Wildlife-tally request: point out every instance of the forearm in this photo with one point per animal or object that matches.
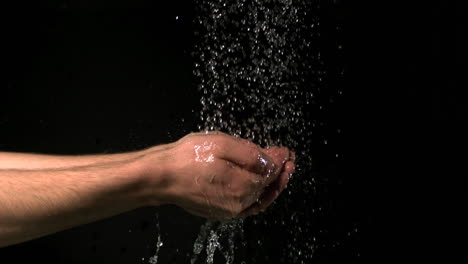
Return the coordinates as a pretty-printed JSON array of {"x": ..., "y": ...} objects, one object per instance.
[
  {"x": 12, "y": 160},
  {"x": 212, "y": 175},
  {"x": 35, "y": 203}
]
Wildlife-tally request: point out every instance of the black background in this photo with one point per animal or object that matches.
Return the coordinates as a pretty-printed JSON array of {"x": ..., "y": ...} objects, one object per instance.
[
  {"x": 94, "y": 77},
  {"x": 407, "y": 70}
]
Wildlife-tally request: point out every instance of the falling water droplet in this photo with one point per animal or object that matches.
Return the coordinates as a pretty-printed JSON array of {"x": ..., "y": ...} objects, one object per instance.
[{"x": 259, "y": 71}]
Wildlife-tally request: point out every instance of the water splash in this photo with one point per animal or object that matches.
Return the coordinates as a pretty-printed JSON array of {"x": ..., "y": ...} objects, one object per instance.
[
  {"x": 248, "y": 63},
  {"x": 159, "y": 243},
  {"x": 217, "y": 236}
]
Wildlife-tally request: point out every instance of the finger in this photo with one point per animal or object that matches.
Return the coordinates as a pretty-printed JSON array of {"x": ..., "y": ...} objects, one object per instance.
[
  {"x": 279, "y": 157},
  {"x": 271, "y": 192},
  {"x": 246, "y": 155},
  {"x": 292, "y": 156},
  {"x": 278, "y": 154},
  {"x": 242, "y": 152},
  {"x": 251, "y": 186}
]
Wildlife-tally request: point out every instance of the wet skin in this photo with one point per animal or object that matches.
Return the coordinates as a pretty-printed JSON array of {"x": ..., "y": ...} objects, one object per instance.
[
  {"x": 218, "y": 176},
  {"x": 212, "y": 175}
]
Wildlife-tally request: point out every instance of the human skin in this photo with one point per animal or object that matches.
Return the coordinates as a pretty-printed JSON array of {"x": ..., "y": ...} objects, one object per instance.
[{"x": 211, "y": 175}]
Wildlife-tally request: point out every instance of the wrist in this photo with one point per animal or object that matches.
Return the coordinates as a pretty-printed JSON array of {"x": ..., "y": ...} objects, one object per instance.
[{"x": 152, "y": 174}]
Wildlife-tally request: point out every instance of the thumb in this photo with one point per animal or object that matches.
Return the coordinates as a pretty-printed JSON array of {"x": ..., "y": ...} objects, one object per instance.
[{"x": 279, "y": 156}]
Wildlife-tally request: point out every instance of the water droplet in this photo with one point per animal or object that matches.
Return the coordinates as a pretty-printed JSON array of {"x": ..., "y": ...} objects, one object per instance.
[{"x": 255, "y": 83}]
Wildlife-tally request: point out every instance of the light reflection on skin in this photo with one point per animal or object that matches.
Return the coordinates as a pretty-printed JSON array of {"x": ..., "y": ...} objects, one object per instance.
[
  {"x": 204, "y": 152},
  {"x": 262, "y": 160}
]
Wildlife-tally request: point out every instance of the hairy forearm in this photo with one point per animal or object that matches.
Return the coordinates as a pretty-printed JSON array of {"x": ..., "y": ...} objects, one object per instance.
[{"x": 38, "y": 202}]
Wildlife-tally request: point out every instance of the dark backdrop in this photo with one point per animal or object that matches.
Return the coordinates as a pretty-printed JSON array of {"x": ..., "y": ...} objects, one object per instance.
[
  {"x": 91, "y": 77},
  {"x": 407, "y": 68},
  {"x": 99, "y": 79}
]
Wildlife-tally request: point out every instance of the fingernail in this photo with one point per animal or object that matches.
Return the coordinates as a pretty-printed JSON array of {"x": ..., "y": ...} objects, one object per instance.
[{"x": 267, "y": 163}]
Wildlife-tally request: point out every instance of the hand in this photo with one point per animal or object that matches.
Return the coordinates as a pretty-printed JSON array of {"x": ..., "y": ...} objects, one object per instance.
[
  {"x": 217, "y": 176},
  {"x": 212, "y": 175}
]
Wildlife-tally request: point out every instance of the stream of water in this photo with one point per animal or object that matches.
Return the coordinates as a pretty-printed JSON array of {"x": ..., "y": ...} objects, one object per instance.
[
  {"x": 257, "y": 72},
  {"x": 259, "y": 75}
]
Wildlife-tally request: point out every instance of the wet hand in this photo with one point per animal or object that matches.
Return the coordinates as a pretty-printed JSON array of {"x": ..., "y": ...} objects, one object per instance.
[{"x": 217, "y": 176}]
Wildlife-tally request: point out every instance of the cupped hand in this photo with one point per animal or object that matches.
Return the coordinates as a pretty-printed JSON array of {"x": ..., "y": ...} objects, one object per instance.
[{"x": 218, "y": 176}]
